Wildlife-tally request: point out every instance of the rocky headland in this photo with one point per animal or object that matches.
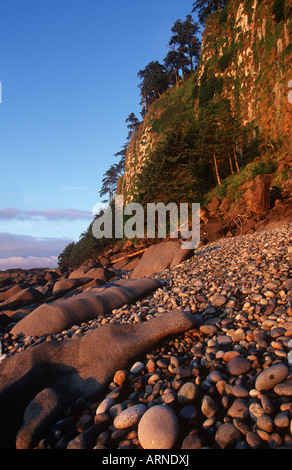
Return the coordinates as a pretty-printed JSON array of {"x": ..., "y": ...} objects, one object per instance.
[{"x": 194, "y": 355}]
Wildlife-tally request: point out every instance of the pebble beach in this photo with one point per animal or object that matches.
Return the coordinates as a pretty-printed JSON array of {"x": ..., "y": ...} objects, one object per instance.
[{"x": 226, "y": 384}]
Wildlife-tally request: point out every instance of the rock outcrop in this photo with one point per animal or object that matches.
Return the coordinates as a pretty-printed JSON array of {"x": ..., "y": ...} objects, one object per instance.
[
  {"x": 38, "y": 383},
  {"x": 55, "y": 317},
  {"x": 158, "y": 257}
]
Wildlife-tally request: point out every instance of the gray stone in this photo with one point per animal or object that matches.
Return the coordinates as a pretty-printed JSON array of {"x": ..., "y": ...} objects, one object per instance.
[
  {"x": 105, "y": 405},
  {"x": 265, "y": 422},
  {"x": 256, "y": 411},
  {"x": 270, "y": 377},
  {"x": 238, "y": 365},
  {"x": 227, "y": 436},
  {"x": 66, "y": 285},
  {"x": 87, "y": 439},
  {"x": 137, "y": 367},
  {"x": 22, "y": 298},
  {"x": 187, "y": 393},
  {"x": 239, "y": 409},
  {"x": 68, "y": 370},
  {"x": 282, "y": 420},
  {"x": 284, "y": 388},
  {"x": 158, "y": 428},
  {"x": 193, "y": 441},
  {"x": 254, "y": 440},
  {"x": 129, "y": 416},
  {"x": 63, "y": 313},
  {"x": 158, "y": 257},
  {"x": 218, "y": 300},
  {"x": 209, "y": 406}
]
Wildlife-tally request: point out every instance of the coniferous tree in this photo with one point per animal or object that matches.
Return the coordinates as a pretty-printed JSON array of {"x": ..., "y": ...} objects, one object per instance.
[
  {"x": 174, "y": 61},
  {"x": 154, "y": 82},
  {"x": 64, "y": 257},
  {"x": 109, "y": 182},
  {"x": 133, "y": 124},
  {"x": 204, "y": 8},
  {"x": 185, "y": 40},
  {"x": 122, "y": 155}
]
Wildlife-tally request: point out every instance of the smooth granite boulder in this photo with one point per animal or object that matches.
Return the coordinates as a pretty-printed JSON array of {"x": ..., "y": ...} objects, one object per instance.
[
  {"x": 8, "y": 292},
  {"x": 22, "y": 298},
  {"x": 156, "y": 258},
  {"x": 53, "y": 318},
  {"x": 66, "y": 285},
  {"x": 37, "y": 384}
]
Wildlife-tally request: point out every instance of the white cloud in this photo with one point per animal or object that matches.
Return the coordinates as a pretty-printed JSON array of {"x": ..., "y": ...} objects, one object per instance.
[
  {"x": 49, "y": 214},
  {"x": 22, "y": 251},
  {"x": 28, "y": 263}
]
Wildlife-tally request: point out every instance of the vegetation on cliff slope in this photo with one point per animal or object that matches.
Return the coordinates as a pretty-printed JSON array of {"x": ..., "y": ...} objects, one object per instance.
[{"x": 212, "y": 115}]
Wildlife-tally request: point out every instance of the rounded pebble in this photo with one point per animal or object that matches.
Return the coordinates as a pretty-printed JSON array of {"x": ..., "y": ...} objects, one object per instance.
[
  {"x": 187, "y": 393},
  {"x": 270, "y": 377},
  {"x": 158, "y": 428},
  {"x": 238, "y": 365},
  {"x": 227, "y": 436},
  {"x": 129, "y": 416}
]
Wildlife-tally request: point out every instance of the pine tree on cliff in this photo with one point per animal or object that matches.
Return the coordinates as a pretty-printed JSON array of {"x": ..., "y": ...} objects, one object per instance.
[
  {"x": 154, "y": 82},
  {"x": 185, "y": 41},
  {"x": 174, "y": 62},
  {"x": 204, "y": 8},
  {"x": 133, "y": 124},
  {"x": 122, "y": 155},
  {"x": 109, "y": 182}
]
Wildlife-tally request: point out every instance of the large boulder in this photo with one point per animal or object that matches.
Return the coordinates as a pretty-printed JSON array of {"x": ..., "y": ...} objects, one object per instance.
[
  {"x": 22, "y": 298},
  {"x": 214, "y": 230},
  {"x": 102, "y": 274},
  {"x": 38, "y": 384},
  {"x": 65, "y": 285},
  {"x": 212, "y": 207},
  {"x": 160, "y": 256},
  {"x": 52, "y": 318},
  {"x": 10, "y": 291},
  {"x": 79, "y": 272},
  {"x": 257, "y": 194}
]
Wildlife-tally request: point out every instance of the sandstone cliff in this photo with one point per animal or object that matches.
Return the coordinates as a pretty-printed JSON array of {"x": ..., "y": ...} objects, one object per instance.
[{"x": 247, "y": 58}]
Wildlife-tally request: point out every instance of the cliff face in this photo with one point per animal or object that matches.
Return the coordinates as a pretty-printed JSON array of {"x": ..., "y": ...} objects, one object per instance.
[
  {"x": 252, "y": 53},
  {"x": 247, "y": 58}
]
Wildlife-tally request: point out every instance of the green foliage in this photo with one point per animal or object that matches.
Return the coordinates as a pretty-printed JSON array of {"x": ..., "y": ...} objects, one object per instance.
[
  {"x": 204, "y": 8},
  {"x": 169, "y": 175},
  {"x": 181, "y": 168},
  {"x": 279, "y": 10},
  {"x": 186, "y": 43},
  {"x": 210, "y": 85},
  {"x": 248, "y": 9},
  {"x": 154, "y": 82},
  {"x": 263, "y": 167},
  {"x": 64, "y": 257},
  {"x": 283, "y": 176},
  {"x": 174, "y": 107},
  {"x": 223, "y": 15},
  {"x": 225, "y": 60},
  {"x": 109, "y": 182},
  {"x": 288, "y": 50}
]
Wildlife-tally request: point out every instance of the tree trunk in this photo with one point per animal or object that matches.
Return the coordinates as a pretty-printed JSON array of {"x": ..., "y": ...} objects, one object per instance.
[
  {"x": 230, "y": 162},
  {"x": 176, "y": 78},
  {"x": 191, "y": 61},
  {"x": 235, "y": 158},
  {"x": 216, "y": 170}
]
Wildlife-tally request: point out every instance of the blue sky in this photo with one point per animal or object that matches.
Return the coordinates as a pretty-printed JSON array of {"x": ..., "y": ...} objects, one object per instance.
[{"x": 68, "y": 70}]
